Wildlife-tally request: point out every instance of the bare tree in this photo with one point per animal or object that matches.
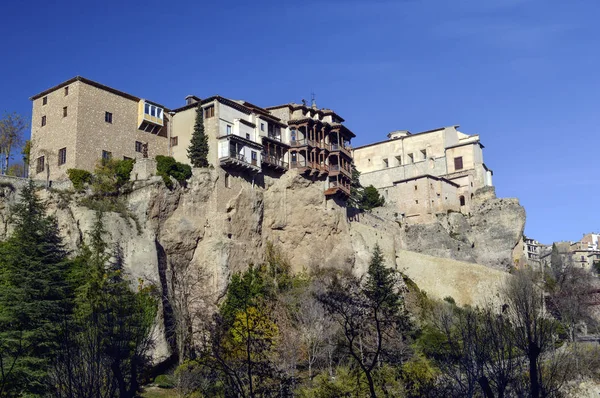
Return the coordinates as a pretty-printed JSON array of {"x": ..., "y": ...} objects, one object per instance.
[
  {"x": 534, "y": 329},
  {"x": 12, "y": 128}
]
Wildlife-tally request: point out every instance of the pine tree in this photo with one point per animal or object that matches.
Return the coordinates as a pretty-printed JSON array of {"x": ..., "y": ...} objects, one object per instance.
[
  {"x": 198, "y": 149},
  {"x": 34, "y": 298},
  {"x": 356, "y": 189}
]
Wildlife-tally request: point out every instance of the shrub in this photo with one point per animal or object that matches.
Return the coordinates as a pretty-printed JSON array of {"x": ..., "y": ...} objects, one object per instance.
[
  {"x": 79, "y": 178},
  {"x": 167, "y": 167},
  {"x": 164, "y": 381},
  {"x": 419, "y": 376},
  {"x": 111, "y": 175},
  {"x": 371, "y": 198},
  {"x": 450, "y": 299}
]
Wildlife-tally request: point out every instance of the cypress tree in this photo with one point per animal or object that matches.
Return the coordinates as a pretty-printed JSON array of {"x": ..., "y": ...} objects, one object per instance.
[
  {"x": 198, "y": 149},
  {"x": 34, "y": 297}
]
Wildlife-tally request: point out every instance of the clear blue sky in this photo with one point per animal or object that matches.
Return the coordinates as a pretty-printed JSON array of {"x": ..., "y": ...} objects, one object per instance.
[{"x": 521, "y": 73}]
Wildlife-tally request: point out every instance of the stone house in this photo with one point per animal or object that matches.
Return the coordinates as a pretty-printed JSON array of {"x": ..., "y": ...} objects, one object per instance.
[
  {"x": 79, "y": 122},
  {"x": 452, "y": 159}
]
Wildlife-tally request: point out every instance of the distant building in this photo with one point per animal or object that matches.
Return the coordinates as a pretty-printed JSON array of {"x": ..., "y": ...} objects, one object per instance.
[
  {"x": 532, "y": 250},
  {"x": 79, "y": 122},
  {"x": 581, "y": 254},
  {"x": 425, "y": 173}
]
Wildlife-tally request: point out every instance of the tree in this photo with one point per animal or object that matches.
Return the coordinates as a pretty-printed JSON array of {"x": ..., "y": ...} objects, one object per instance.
[
  {"x": 198, "y": 149},
  {"x": 26, "y": 152},
  {"x": 534, "y": 329},
  {"x": 356, "y": 189},
  {"x": 371, "y": 315},
  {"x": 107, "y": 340},
  {"x": 12, "y": 127},
  {"x": 371, "y": 198},
  {"x": 16, "y": 170},
  {"x": 34, "y": 299}
]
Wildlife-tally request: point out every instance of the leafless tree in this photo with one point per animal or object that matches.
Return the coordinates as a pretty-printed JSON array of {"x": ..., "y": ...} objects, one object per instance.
[
  {"x": 534, "y": 328},
  {"x": 12, "y": 128}
]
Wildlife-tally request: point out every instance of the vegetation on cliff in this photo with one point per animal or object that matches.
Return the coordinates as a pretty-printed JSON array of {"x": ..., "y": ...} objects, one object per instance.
[
  {"x": 69, "y": 327},
  {"x": 198, "y": 149}
]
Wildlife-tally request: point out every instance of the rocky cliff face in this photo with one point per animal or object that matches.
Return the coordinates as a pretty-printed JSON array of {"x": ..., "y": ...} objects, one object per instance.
[{"x": 202, "y": 233}]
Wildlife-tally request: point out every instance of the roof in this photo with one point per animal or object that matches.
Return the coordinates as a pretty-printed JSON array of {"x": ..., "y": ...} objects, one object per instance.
[
  {"x": 94, "y": 84},
  {"x": 428, "y": 176},
  {"x": 400, "y": 138},
  {"x": 293, "y": 106},
  {"x": 223, "y": 100}
]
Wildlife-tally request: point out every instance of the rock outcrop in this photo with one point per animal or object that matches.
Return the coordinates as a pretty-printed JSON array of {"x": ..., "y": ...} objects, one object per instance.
[{"x": 211, "y": 231}]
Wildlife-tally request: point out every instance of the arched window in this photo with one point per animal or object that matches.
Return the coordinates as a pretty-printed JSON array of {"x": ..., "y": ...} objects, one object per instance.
[{"x": 462, "y": 200}]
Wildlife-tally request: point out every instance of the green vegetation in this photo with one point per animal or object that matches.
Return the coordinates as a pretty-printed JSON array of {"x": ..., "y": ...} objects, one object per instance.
[
  {"x": 79, "y": 178},
  {"x": 68, "y": 327},
  {"x": 371, "y": 198},
  {"x": 198, "y": 149},
  {"x": 167, "y": 167}
]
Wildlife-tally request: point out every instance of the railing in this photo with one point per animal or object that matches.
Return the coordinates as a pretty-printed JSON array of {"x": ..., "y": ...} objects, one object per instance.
[
  {"x": 298, "y": 142},
  {"x": 337, "y": 167},
  {"x": 274, "y": 161},
  {"x": 335, "y": 184},
  {"x": 276, "y": 137},
  {"x": 297, "y": 164}
]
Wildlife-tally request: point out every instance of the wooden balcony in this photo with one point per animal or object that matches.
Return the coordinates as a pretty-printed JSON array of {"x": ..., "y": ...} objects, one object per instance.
[
  {"x": 275, "y": 162},
  {"x": 239, "y": 162},
  {"x": 335, "y": 187},
  {"x": 347, "y": 150},
  {"x": 335, "y": 169}
]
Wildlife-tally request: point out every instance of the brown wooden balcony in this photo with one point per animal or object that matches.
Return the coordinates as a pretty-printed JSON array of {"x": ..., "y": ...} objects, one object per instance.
[
  {"x": 335, "y": 169},
  {"x": 336, "y": 187},
  {"x": 273, "y": 161},
  {"x": 346, "y": 149}
]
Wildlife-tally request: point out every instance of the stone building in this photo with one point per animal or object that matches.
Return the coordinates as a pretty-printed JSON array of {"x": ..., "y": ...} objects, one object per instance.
[
  {"x": 79, "y": 122},
  {"x": 452, "y": 159},
  {"x": 532, "y": 250}
]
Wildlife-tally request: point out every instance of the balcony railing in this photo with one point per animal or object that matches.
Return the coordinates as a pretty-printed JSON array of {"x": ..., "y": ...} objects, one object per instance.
[
  {"x": 275, "y": 161},
  {"x": 297, "y": 164},
  {"x": 273, "y": 136},
  {"x": 295, "y": 143},
  {"x": 338, "y": 168},
  {"x": 344, "y": 148},
  {"x": 335, "y": 184}
]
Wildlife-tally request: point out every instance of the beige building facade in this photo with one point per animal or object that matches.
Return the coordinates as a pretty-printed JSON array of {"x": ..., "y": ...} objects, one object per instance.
[
  {"x": 79, "y": 122},
  {"x": 454, "y": 158}
]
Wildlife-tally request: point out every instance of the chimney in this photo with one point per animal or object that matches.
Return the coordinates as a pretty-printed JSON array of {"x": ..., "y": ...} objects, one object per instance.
[{"x": 191, "y": 99}]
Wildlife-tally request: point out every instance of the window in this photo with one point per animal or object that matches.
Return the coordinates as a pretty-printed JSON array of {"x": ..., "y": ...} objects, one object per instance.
[
  {"x": 411, "y": 158},
  {"x": 62, "y": 156},
  {"x": 138, "y": 146},
  {"x": 174, "y": 141},
  {"x": 39, "y": 167},
  {"x": 209, "y": 111},
  {"x": 228, "y": 129},
  {"x": 147, "y": 108},
  {"x": 227, "y": 182},
  {"x": 247, "y": 136},
  {"x": 65, "y": 111},
  {"x": 399, "y": 159},
  {"x": 462, "y": 200},
  {"x": 44, "y": 100},
  {"x": 458, "y": 163},
  {"x": 262, "y": 127},
  {"x": 106, "y": 155},
  {"x": 385, "y": 163},
  {"x": 108, "y": 117},
  {"x": 424, "y": 154},
  {"x": 43, "y": 121},
  {"x": 416, "y": 187},
  {"x": 66, "y": 91},
  {"x": 254, "y": 157}
]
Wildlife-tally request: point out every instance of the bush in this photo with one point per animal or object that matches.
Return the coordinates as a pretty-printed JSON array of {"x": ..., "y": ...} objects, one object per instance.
[
  {"x": 167, "y": 167},
  {"x": 111, "y": 175},
  {"x": 164, "y": 381},
  {"x": 371, "y": 198},
  {"x": 79, "y": 178},
  {"x": 419, "y": 376}
]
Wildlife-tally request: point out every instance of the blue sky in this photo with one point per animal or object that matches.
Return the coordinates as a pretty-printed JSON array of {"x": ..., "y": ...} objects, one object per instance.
[{"x": 521, "y": 73}]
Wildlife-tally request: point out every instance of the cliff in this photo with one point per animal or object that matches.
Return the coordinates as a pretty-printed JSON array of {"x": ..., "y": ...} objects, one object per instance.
[{"x": 205, "y": 232}]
